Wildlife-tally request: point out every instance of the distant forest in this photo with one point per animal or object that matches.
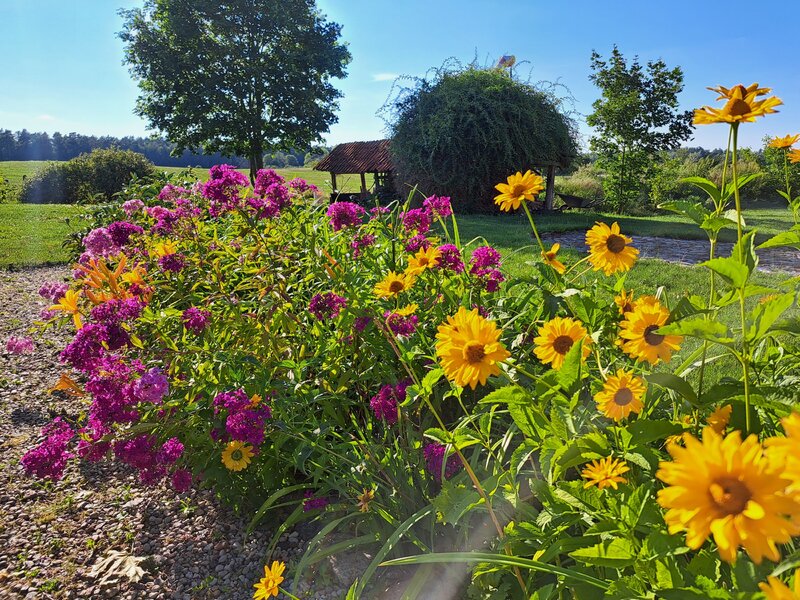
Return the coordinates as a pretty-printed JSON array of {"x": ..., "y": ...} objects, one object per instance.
[{"x": 26, "y": 145}]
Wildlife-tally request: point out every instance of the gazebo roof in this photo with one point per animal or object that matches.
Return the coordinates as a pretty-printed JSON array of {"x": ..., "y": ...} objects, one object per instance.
[{"x": 358, "y": 157}]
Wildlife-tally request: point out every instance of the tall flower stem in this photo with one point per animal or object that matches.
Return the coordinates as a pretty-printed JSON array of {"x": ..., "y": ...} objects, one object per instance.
[
  {"x": 533, "y": 225},
  {"x": 745, "y": 359}
]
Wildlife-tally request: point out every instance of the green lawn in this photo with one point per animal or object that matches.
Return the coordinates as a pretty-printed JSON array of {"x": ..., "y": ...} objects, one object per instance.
[{"x": 32, "y": 234}]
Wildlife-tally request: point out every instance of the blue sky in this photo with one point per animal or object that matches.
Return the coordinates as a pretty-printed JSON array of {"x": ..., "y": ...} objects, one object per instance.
[{"x": 61, "y": 63}]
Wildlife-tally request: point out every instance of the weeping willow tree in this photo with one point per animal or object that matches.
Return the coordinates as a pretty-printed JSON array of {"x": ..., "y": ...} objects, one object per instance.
[{"x": 461, "y": 131}]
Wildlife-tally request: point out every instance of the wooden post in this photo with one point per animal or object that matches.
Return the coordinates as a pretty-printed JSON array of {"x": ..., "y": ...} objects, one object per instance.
[
  {"x": 363, "y": 185},
  {"x": 550, "y": 192},
  {"x": 333, "y": 181}
]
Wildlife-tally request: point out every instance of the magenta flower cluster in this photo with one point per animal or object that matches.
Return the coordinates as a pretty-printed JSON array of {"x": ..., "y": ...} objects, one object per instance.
[
  {"x": 131, "y": 207},
  {"x": 384, "y": 403},
  {"x": 484, "y": 263},
  {"x": 402, "y": 325},
  {"x": 362, "y": 241},
  {"x": 450, "y": 259},
  {"x": 438, "y": 206},
  {"x": 344, "y": 214},
  {"x": 153, "y": 460},
  {"x": 416, "y": 220},
  {"x": 195, "y": 319},
  {"x": 327, "y": 305},
  {"x": 172, "y": 263},
  {"x": 53, "y": 291},
  {"x": 223, "y": 189},
  {"x": 270, "y": 195},
  {"x": 244, "y": 422},
  {"x": 152, "y": 386},
  {"x": 49, "y": 458},
  {"x": 434, "y": 457},
  {"x": 310, "y": 502},
  {"x": 415, "y": 243},
  {"x": 19, "y": 345}
]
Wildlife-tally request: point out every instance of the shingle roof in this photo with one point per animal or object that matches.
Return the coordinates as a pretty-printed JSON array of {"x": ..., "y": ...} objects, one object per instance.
[{"x": 358, "y": 157}]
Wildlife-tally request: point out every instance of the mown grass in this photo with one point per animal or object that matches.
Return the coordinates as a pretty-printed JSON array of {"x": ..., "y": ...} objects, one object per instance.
[{"x": 32, "y": 235}]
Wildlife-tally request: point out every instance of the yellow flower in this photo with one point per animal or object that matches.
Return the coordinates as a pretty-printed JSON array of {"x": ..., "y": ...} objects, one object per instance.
[
  {"x": 469, "y": 349},
  {"x": 786, "y": 141},
  {"x": 784, "y": 452},
  {"x": 364, "y": 500},
  {"x": 741, "y": 106},
  {"x": 718, "y": 420},
  {"x": 723, "y": 487},
  {"x": 555, "y": 339},
  {"x": 775, "y": 589},
  {"x": 270, "y": 584},
  {"x": 794, "y": 156},
  {"x": 519, "y": 187},
  {"x": 621, "y": 395},
  {"x": 237, "y": 455},
  {"x": 67, "y": 385},
  {"x": 606, "y": 472},
  {"x": 394, "y": 284},
  {"x": 639, "y": 337},
  {"x": 549, "y": 257},
  {"x": 423, "y": 259},
  {"x": 165, "y": 248},
  {"x": 685, "y": 421},
  {"x": 255, "y": 400},
  {"x": 609, "y": 250},
  {"x": 624, "y": 301},
  {"x": 408, "y": 309},
  {"x": 69, "y": 305}
]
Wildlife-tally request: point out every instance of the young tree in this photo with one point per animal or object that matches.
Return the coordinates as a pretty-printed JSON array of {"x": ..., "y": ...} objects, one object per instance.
[
  {"x": 240, "y": 77},
  {"x": 635, "y": 117}
]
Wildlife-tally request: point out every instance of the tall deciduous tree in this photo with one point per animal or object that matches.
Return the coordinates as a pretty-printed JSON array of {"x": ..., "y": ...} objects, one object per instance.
[
  {"x": 240, "y": 77},
  {"x": 635, "y": 117}
]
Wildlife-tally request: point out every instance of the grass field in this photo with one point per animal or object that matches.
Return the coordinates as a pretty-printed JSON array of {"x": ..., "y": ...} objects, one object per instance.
[{"x": 32, "y": 235}]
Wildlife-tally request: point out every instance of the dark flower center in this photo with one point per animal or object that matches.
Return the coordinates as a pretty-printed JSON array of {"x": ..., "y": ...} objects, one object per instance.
[
  {"x": 237, "y": 455},
  {"x": 615, "y": 243},
  {"x": 474, "y": 353},
  {"x": 654, "y": 339},
  {"x": 562, "y": 344},
  {"x": 518, "y": 190},
  {"x": 396, "y": 286},
  {"x": 729, "y": 494},
  {"x": 623, "y": 397}
]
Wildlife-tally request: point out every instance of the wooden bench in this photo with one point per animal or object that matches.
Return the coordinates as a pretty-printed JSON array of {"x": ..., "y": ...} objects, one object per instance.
[{"x": 576, "y": 202}]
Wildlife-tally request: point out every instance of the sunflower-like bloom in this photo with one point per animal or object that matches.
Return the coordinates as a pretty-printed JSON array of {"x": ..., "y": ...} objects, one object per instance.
[
  {"x": 775, "y": 589},
  {"x": 549, "y": 257},
  {"x": 719, "y": 419},
  {"x": 609, "y": 250},
  {"x": 606, "y": 472},
  {"x": 555, "y": 339},
  {"x": 639, "y": 337},
  {"x": 425, "y": 258},
  {"x": 784, "y": 452},
  {"x": 784, "y": 142},
  {"x": 269, "y": 585},
  {"x": 518, "y": 188},
  {"x": 469, "y": 349},
  {"x": 394, "y": 284},
  {"x": 724, "y": 487},
  {"x": 624, "y": 301},
  {"x": 741, "y": 105},
  {"x": 237, "y": 455},
  {"x": 794, "y": 156},
  {"x": 621, "y": 395}
]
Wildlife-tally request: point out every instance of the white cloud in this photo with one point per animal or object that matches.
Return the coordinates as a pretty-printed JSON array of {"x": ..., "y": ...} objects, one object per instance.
[
  {"x": 46, "y": 118},
  {"x": 384, "y": 76}
]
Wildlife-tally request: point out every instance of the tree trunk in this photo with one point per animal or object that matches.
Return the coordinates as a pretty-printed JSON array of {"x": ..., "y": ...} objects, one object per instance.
[{"x": 256, "y": 162}]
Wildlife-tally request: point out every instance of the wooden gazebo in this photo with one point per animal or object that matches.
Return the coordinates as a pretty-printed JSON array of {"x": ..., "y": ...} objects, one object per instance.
[{"x": 360, "y": 158}]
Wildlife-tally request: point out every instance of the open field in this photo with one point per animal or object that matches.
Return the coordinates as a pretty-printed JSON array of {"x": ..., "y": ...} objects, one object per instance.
[{"x": 31, "y": 235}]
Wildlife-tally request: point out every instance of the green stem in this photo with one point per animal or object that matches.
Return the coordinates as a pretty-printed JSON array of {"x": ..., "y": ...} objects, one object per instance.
[{"x": 533, "y": 225}]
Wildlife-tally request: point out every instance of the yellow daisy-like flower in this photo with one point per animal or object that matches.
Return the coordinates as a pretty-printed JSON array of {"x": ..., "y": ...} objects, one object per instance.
[
  {"x": 784, "y": 452},
  {"x": 624, "y": 301},
  {"x": 408, "y": 309},
  {"x": 606, "y": 472},
  {"x": 237, "y": 455},
  {"x": 775, "y": 589},
  {"x": 423, "y": 259},
  {"x": 549, "y": 257},
  {"x": 794, "y": 156},
  {"x": 469, "y": 348},
  {"x": 685, "y": 421},
  {"x": 609, "y": 249},
  {"x": 639, "y": 337},
  {"x": 719, "y": 419},
  {"x": 269, "y": 585},
  {"x": 784, "y": 142},
  {"x": 555, "y": 339},
  {"x": 394, "y": 284},
  {"x": 69, "y": 304},
  {"x": 518, "y": 188},
  {"x": 723, "y": 487},
  {"x": 621, "y": 395},
  {"x": 165, "y": 248},
  {"x": 741, "y": 106},
  {"x": 365, "y": 499}
]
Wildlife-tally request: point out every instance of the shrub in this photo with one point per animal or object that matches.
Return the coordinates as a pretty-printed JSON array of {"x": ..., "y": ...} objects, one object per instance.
[
  {"x": 102, "y": 172},
  {"x": 461, "y": 133},
  {"x": 586, "y": 182}
]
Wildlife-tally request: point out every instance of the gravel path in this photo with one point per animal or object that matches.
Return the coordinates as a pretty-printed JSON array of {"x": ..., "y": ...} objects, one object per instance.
[
  {"x": 687, "y": 252},
  {"x": 52, "y": 534}
]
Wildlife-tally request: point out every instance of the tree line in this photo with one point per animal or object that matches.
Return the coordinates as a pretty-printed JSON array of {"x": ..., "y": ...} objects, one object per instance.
[{"x": 27, "y": 145}]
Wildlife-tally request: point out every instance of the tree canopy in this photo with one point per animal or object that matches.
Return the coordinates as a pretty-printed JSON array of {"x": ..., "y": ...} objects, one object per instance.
[
  {"x": 240, "y": 77},
  {"x": 466, "y": 130}
]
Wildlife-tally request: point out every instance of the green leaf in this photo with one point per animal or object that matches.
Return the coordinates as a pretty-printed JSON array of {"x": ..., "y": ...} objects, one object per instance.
[
  {"x": 732, "y": 271},
  {"x": 789, "y": 238},
  {"x": 677, "y": 384},
  {"x": 764, "y": 315},
  {"x": 700, "y": 327},
  {"x": 510, "y": 394},
  {"x": 709, "y": 187},
  {"x": 569, "y": 375},
  {"x": 645, "y": 431},
  {"x": 694, "y": 210},
  {"x": 617, "y": 553},
  {"x": 745, "y": 252},
  {"x": 453, "y": 502}
]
